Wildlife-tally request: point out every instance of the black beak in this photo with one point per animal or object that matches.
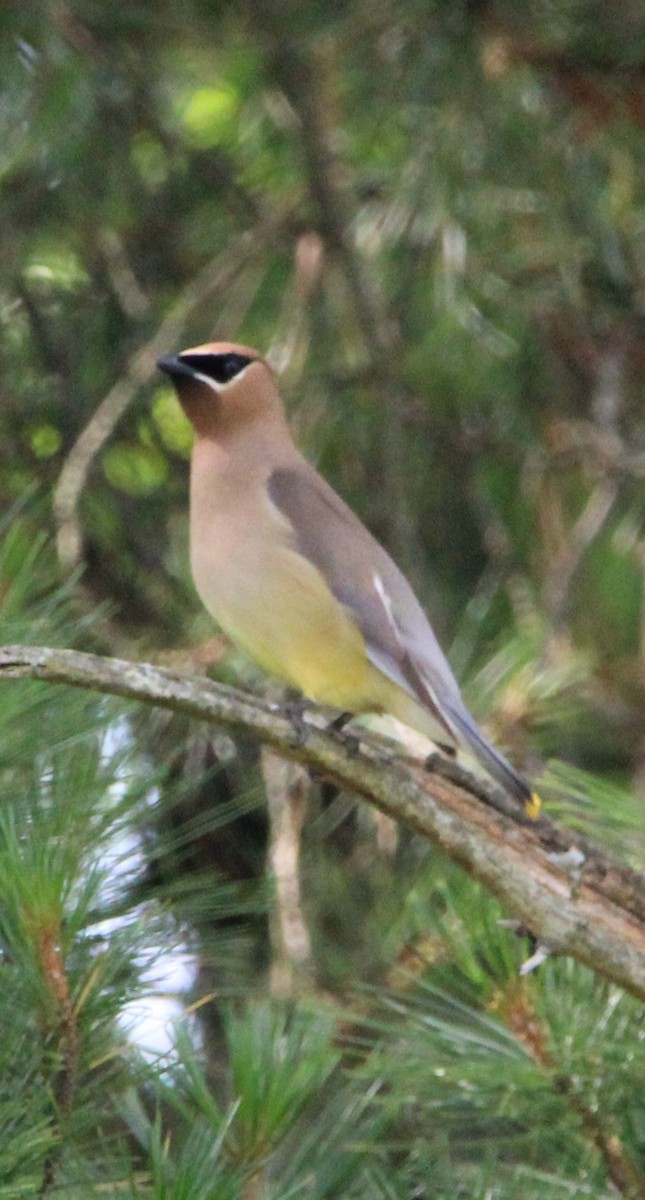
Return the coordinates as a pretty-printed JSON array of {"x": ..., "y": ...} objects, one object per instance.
[{"x": 175, "y": 368}]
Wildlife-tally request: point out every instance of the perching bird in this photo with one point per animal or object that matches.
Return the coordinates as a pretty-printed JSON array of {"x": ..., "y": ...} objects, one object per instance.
[{"x": 292, "y": 575}]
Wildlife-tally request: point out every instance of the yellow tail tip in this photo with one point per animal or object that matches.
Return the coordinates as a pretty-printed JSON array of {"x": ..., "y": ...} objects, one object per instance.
[{"x": 533, "y": 807}]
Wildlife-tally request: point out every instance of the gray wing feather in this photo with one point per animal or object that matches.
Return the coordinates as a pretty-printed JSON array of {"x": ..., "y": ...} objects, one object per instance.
[
  {"x": 398, "y": 637},
  {"x": 362, "y": 576}
]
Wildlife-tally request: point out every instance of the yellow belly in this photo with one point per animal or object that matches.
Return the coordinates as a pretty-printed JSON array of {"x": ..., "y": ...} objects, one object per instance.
[
  {"x": 284, "y": 616},
  {"x": 276, "y": 606}
]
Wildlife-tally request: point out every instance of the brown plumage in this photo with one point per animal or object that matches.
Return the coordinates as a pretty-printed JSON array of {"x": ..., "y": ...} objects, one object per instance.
[{"x": 293, "y": 576}]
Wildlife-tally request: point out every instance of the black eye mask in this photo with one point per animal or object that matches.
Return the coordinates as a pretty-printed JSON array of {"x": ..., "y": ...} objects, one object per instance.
[{"x": 219, "y": 367}]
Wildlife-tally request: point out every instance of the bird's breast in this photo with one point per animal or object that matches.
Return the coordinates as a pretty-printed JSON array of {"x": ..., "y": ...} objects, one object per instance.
[{"x": 274, "y": 604}]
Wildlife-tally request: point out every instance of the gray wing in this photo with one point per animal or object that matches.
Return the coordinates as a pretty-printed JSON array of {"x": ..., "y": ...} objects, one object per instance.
[
  {"x": 362, "y": 576},
  {"x": 398, "y": 637}
]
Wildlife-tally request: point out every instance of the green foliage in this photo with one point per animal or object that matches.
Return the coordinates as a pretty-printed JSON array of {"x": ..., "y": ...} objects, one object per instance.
[
  {"x": 459, "y": 1071},
  {"x": 524, "y": 1073},
  {"x": 284, "y": 1131},
  {"x": 464, "y": 362}
]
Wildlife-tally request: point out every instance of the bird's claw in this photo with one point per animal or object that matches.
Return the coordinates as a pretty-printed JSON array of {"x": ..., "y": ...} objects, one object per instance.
[
  {"x": 338, "y": 727},
  {"x": 295, "y": 711}
]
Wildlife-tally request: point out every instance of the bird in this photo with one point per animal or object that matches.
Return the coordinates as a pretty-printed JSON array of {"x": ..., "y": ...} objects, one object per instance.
[{"x": 293, "y": 577}]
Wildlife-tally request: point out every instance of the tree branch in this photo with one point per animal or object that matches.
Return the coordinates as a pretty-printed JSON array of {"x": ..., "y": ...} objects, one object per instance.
[{"x": 582, "y": 904}]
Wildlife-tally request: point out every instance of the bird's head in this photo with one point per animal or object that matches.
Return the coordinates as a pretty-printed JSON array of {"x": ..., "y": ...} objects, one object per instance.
[{"x": 222, "y": 385}]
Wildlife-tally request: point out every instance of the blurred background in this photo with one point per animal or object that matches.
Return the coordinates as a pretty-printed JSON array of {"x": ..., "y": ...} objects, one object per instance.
[{"x": 431, "y": 217}]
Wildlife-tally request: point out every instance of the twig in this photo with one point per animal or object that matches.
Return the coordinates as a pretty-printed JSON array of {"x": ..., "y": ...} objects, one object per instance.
[
  {"x": 57, "y": 981},
  {"x": 596, "y": 913},
  {"x": 302, "y": 77},
  {"x": 126, "y": 287},
  {"x": 582, "y": 533},
  {"x": 287, "y": 785}
]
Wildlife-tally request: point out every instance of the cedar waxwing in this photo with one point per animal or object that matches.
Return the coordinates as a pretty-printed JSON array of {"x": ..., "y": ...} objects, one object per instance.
[{"x": 292, "y": 575}]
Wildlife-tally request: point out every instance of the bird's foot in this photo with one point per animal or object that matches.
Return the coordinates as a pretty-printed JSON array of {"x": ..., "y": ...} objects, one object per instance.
[
  {"x": 444, "y": 762},
  {"x": 445, "y": 751},
  {"x": 338, "y": 727},
  {"x": 340, "y": 722},
  {"x": 295, "y": 709}
]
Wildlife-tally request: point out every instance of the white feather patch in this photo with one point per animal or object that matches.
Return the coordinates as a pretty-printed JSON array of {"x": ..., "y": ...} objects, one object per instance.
[
  {"x": 419, "y": 677},
  {"x": 220, "y": 387}
]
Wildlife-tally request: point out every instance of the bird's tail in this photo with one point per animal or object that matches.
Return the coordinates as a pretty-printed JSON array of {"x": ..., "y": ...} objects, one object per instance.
[{"x": 491, "y": 759}]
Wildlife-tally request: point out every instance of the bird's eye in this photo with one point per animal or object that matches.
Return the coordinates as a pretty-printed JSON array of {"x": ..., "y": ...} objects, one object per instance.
[{"x": 219, "y": 367}]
